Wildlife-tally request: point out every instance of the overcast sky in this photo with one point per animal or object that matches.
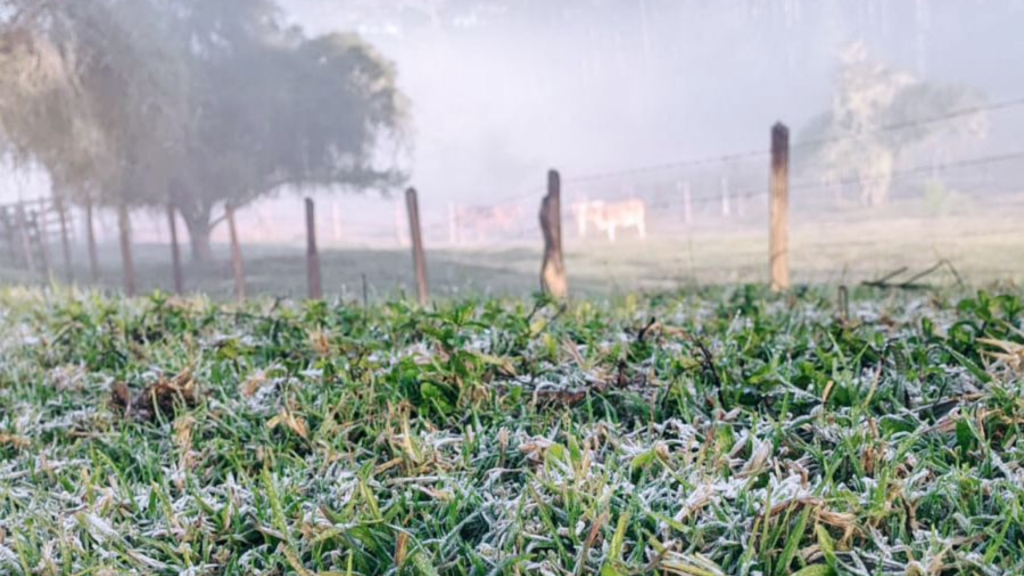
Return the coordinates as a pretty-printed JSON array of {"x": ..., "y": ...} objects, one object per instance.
[{"x": 500, "y": 91}]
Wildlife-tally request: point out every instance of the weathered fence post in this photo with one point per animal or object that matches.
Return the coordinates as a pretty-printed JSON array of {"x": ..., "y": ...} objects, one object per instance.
[
  {"x": 312, "y": 254},
  {"x": 236, "y": 253},
  {"x": 124, "y": 228},
  {"x": 552, "y": 273},
  {"x": 65, "y": 241},
  {"x": 24, "y": 239},
  {"x": 779, "y": 209},
  {"x": 172, "y": 225},
  {"x": 419, "y": 258},
  {"x": 94, "y": 261}
]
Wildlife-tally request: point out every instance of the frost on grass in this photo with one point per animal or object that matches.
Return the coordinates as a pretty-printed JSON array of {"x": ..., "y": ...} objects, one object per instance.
[{"x": 721, "y": 433}]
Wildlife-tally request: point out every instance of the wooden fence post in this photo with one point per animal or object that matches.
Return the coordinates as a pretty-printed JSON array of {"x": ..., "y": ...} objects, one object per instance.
[
  {"x": 552, "y": 273},
  {"x": 312, "y": 254},
  {"x": 412, "y": 205},
  {"x": 94, "y": 261},
  {"x": 779, "y": 209},
  {"x": 24, "y": 239},
  {"x": 236, "y": 254},
  {"x": 65, "y": 241},
  {"x": 172, "y": 226},
  {"x": 124, "y": 227}
]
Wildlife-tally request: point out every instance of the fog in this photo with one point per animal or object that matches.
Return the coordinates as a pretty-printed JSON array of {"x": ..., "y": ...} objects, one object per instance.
[{"x": 502, "y": 90}]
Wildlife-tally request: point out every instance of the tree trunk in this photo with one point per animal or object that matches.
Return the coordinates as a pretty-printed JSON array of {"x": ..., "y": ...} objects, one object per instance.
[
  {"x": 90, "y": 229},
  {"x": 65, "y": 241},
  {"x": 236, "y": 254},
  {"x": 199, "y": 235},
  {"x": 124, "y": 227},
  {"x": 172, "y": 226}
]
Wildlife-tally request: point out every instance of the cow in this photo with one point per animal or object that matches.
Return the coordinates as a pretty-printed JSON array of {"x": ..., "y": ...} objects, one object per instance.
[
  {"x": 482, "y": 222},
  {"x": 609, "y": 217}
]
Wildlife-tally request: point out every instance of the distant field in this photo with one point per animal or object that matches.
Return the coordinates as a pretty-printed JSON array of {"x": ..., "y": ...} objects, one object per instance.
[
  {"x": 983, "y": 248},
  {"x": 720, "y": 432}
]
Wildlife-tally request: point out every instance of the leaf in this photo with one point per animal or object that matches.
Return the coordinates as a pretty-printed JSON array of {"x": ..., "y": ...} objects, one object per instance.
[
  {"x": 993, "y": 547},
  {"x": 970, "y": 365},
  {"x": 670, "y": 522},
  {"x": 500, "y": 362},
  {"x": 793, "y": 541},
  {"x": 615, "y": 550},
  {"x": 296, "y": 424},
  {"x": 438, "y": 397},
  {"x": 825, "y": 543},
  {"x": 557, "y": 453},
  {"x": 293, "y": 559},
  {"x": 964, "y": 435},
  {"x": 16, "y": 442},
  {"x": 609, "y": 570},
  {"x": 146, "y": 561},
  {"x": 276, "y": 508},
  {"x": 643, "y": 460},
  {"x": 97, "y": 527},
  {"x": 423, "y": 564},
  {"x": 815, "y": 570},
  {"x": 537, "y": 326},
  {"x": 575, "y": 454}
]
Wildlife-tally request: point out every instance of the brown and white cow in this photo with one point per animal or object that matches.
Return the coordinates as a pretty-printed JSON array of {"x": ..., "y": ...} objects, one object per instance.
[{"x": 609, "y": 217}]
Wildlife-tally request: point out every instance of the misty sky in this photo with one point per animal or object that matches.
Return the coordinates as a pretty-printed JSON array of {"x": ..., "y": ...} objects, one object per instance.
[{"x": 502, "y": 90}]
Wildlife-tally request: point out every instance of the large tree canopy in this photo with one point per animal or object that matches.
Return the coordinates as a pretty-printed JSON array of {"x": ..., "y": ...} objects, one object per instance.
[{"x": 194, "y": 102}]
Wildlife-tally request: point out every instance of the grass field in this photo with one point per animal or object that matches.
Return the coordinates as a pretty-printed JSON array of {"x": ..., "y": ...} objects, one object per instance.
[
  {"x": 721, "y": 431},
  {"x": 984, "y": 248}
]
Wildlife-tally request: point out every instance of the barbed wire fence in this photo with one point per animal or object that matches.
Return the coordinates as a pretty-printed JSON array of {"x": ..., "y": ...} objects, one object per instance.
[
  {"x": 721, "y": 211},
  {"x": 694, "y": 221}
]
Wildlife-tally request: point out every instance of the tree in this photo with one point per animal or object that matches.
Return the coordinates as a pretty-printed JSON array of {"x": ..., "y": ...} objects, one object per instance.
[
  {"x": 274, "y": 108},
  {"x": 83, "y": 95},
  {"x": 205, "y": 104},
  {"x": 872, "y": 123},
  {"x": 89, "y": 99}
]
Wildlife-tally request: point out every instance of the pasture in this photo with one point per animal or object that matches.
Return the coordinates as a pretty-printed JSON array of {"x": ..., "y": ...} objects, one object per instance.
[{"x": 985, "y": 247}]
